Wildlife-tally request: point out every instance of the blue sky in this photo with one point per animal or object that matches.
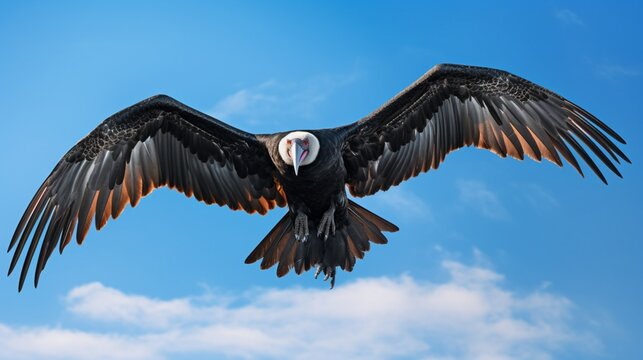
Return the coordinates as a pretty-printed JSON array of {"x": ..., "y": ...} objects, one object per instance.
[{"x": 495, "y": 258}]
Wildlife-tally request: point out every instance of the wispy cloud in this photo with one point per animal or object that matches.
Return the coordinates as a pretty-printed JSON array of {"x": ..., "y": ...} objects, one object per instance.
[
  {"x": 536, "y": 196},
  {"x": 477, "y": 195},
  {"x": 274, "y": 100},
  {"x": 472, "y": 315},
  {"x": 405, "y": 203},
  {"x": 569, "y": 17},
  {"x": 245, "y": 101},
  {"x": 613, "y": 71}
]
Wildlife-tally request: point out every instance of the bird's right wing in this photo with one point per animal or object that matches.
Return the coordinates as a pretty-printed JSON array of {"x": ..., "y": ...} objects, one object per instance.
[
  {"x": 154, "y": 143},
  {"x": 453, "y": 106}
]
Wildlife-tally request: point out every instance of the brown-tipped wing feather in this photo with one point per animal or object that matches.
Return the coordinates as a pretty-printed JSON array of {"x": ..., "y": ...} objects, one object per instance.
[
  {"x": 453, "y": 106},
  {"x": 156, "y": 142}
]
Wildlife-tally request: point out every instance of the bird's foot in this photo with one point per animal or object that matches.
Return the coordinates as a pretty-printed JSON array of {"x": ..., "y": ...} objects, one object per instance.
[
  {"x": 301, "y": 227},
  {"x": 329, "y": 273},
  {"x": 327, "y": 223}
]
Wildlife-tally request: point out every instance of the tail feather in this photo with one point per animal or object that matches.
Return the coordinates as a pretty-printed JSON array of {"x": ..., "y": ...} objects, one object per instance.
[
  {"x": 350, "y": 256},
  {"x": 354, "y": 250},
  {"x": 273, "y": 254},
  {"x": 300, "y": 253},
  {"x": 311, "y": 255},
  {"x": 383, "y": 225},
  {"x": 335, "y": 249},
  {"x": 349, "y": 243},
  {"x": 294, "y": 255},
  {"x": 274, "y": 237},
  {"x": 359, "y": 239},
  {"x": 287, "y": 258}
]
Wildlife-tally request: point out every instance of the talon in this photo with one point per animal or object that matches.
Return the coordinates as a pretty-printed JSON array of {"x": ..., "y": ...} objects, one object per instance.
[{"x": 329, "y": 273}]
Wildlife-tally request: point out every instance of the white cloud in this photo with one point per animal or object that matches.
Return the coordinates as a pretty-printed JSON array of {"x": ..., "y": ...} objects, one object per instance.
[
  {"x": 60, "y": 343},
  {"x": 569, "y": 17},
  {"x": 276, "y": 101},
  {"x": 469, "y": 316},
  {"x": 96, "y": 301},
  {"x": 476, "y": 194}
]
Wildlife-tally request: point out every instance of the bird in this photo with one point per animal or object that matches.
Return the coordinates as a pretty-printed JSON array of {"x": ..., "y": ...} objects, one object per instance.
[{"x": 162, "y": 142}]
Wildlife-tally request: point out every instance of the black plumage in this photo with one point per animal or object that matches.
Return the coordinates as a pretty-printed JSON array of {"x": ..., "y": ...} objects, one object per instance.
[{"x": 160, "y": 141}]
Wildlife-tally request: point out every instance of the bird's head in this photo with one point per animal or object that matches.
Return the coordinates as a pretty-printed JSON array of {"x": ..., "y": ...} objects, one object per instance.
[{"x": 298, "y": 148}]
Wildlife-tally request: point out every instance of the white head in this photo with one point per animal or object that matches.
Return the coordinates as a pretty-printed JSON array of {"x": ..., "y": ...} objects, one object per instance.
[{"x": 298, "y": 148}]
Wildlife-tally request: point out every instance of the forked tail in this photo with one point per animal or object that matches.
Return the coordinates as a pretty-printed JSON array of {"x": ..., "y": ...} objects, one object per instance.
[{"x": 349, "y": 243}]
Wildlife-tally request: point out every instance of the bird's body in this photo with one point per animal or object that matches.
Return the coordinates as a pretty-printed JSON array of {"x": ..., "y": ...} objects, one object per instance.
[
  {"x": 160, "y": 141},
  {"x": 307, "y": 188},
  {"x": 316, "y": 191}
]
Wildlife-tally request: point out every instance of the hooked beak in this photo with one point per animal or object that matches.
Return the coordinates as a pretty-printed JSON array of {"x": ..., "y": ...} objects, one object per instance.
[{"x": 298, "y": 155}]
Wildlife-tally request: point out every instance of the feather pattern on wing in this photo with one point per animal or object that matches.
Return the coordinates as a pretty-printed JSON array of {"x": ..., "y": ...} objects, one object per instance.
[
  {"x": 453, "y": 106},
  {"x": 154, "y": 143}
]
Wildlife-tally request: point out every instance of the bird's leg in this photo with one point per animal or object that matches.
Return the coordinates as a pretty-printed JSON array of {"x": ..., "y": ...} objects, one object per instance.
[
  {"x": 301, "y": 227},
  {"x": 327, "y": 222}
]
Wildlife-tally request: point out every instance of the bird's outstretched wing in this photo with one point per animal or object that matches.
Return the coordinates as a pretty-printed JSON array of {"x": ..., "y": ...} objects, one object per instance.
[
  {"x": 156, "y": 142},
  {"x": 453, "y": 106}
]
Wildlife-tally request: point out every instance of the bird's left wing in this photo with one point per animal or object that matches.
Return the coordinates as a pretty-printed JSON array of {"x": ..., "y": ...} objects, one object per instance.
[
  {"x": 453, "y": 106},
  {"x": 154, "y": 143}
]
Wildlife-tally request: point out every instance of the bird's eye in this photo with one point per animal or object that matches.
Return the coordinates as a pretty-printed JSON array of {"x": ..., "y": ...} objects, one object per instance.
[
  {"x": 288, "y": 141},
  {"x": 305, "y": 141}
]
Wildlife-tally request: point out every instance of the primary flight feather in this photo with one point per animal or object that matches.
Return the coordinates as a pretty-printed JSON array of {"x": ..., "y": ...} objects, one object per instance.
[{"x": 161, "y": 141}]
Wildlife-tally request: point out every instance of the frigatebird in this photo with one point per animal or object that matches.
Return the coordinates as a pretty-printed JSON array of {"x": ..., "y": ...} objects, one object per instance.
[{"x": 162, "y": 142}]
